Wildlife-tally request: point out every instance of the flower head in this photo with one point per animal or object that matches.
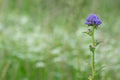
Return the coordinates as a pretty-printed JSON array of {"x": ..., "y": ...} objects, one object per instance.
[{"x": 93, "y": 20}]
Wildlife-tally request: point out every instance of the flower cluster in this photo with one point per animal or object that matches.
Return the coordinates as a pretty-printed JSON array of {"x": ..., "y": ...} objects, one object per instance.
[{"x": 93, "y": 20}]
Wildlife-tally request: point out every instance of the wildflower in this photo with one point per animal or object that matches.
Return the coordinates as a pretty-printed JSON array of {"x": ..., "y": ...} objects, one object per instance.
[{"x": 93, "y": 20}]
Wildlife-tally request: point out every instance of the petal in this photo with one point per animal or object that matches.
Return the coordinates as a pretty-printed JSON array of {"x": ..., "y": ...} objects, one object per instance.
[{"x": 88, "y": 23}]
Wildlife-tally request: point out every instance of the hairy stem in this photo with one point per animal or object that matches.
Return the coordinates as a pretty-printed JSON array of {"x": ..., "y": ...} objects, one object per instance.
[
  {"x": 93, "y": 63},
  {"x": 93, "y": 41}
]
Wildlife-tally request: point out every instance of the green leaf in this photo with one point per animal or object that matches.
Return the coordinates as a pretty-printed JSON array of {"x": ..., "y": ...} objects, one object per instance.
[
  {"x": 97, "y": 42},
  {"x": 89, "y": 32},
  {"x": 92, "y": 49}
]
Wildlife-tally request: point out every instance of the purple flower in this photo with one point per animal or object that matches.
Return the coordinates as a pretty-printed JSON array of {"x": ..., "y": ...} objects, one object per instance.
[{"x": 93, "y": 20}]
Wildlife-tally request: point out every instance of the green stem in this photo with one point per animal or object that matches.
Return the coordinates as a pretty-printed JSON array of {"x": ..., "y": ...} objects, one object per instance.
[
  {"x": 93, "y": 67},
  {"x": 93, "y": 41},
  {"x": 93, "y": 63}
]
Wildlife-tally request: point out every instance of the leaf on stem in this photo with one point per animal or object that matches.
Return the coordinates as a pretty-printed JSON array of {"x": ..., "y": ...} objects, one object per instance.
[
  {"x": 89, "y": 32},
  {"x": 97, "y": 42},
  {"x": 92, "y": 49}
]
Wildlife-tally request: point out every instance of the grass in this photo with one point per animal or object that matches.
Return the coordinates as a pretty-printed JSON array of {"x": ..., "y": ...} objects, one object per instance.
[{"x": 51, "y": 46}]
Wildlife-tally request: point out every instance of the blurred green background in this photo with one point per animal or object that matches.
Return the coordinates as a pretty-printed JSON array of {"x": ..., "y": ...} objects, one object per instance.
[{"x": 43, "y": 39}]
